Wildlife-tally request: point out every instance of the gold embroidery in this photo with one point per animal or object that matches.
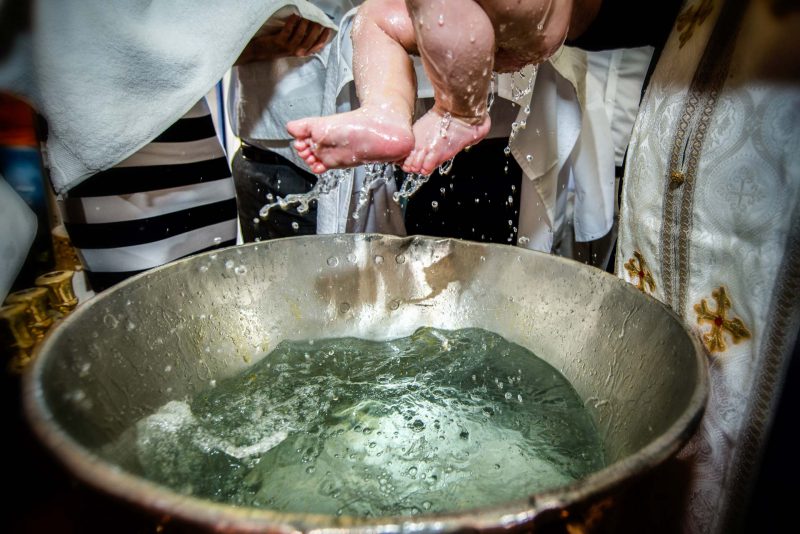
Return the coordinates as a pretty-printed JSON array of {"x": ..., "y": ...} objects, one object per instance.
[
  {"x": 676, "y": 179},
  {"x": 714, "y": 340},
  {"x": 693, "y": 17},
  {"x": 637, "y": 268}
]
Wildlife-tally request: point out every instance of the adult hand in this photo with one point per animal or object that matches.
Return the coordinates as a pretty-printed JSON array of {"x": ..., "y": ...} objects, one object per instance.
[{"x": 298, "y": 37}]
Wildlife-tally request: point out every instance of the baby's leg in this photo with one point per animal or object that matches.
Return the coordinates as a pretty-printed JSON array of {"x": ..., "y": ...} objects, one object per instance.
[
  {"x": 456, "y": 41},
  {"x": 380, "y": 130}
]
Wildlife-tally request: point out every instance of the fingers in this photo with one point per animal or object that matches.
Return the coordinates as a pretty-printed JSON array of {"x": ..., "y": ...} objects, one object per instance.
[
  {"x": 310, "y": 39},
  {"x": 301, "y": 37}
]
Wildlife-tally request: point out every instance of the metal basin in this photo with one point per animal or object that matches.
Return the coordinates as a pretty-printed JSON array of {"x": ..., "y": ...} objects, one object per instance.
[{"x": 166, "y": 334}]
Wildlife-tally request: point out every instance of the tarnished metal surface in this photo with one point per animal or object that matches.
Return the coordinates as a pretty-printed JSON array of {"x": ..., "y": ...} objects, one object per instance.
[{"x": 166, "y": 334}]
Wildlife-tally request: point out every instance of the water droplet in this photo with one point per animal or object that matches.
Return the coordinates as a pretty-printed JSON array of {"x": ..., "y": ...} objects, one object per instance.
[
  {"x": 394, "y": 304},
  {"x": 203, "y": 268},
  {"x": 352, "y": 258},
  {"x": 295, "y": 226},
  {"x": 168, "y": 368},
  {"x": 333, "y": 261},
  {"x": 400, "y": 259},
  {"x": 229, "y": 264},
  {"x": 434, "y": 205},
  {"x": 256, "y": 220},
  {"x": 378, "y": 259},
  {"x": 240, "y": 270},
  {"x": 217, "y": 240},
  {"x": 344, "y": 307},
  {"x": 529, "y": 157},
  {"x": 310, "y": 469},
  {"x": 130, "y": 326}
]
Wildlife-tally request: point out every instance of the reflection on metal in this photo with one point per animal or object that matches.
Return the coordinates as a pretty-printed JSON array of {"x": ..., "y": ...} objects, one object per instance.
[{"x": 640, "y": 373}]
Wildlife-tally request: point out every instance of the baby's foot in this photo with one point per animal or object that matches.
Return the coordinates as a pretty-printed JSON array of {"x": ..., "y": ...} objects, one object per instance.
[
  {"x": 440, "y": 137},
  {"x": 349, "y": 139}
]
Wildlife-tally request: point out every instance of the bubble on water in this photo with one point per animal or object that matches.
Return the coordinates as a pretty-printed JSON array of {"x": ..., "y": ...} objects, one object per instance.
[
  {"x": 333, "y": 261},
  {"x": 344, "y": 307},
  {"x": 130, "y": 326},
  {"x": 400, "y": 259},
  {"x": 168, "y": 368},
  {"x": 352, "y": 258},
  {"x": 229, "y": 264},
  {"x": 203, "y": 268},
  {"x": 240, "y": 270},
  {"x": 394, "y": 304}
]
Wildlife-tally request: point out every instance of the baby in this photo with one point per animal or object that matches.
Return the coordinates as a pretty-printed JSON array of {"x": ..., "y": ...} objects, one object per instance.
[{"x": 461, "y": 42}]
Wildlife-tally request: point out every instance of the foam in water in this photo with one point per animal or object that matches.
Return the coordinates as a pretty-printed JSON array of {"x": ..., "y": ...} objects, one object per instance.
[{"x": 437, "y": 421}]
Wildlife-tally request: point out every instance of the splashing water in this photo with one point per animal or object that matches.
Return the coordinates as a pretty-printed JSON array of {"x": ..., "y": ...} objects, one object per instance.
[
  {"x": 434, "y": 422},
  {"x": 326, "y": 182},
  {"x": 376, "y": 174}
]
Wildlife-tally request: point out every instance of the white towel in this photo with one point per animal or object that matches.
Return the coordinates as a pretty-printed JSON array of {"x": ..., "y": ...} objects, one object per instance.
[
  {"x": 19, "y": 224},
  {"x": 111, "y": 76}
]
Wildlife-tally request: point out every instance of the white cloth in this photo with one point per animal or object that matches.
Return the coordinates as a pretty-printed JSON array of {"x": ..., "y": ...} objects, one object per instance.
[
  {"x": 620, "y": 73},
  {"x": 19, "y": 224},
  {"x": 110, "y": 76},
  {"x": 733, "y": 222},
  {"x": 262, "y": 97},
  {"x": 566, "y": 138}
]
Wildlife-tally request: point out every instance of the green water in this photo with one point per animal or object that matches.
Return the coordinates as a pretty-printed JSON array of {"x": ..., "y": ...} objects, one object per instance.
[{"x": 437, "y": 421}]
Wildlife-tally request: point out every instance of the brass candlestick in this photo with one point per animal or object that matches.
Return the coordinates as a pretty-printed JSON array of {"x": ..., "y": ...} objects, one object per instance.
[
  {"x": 59, "y": 285},
  {"x": 15, "y": 335}
]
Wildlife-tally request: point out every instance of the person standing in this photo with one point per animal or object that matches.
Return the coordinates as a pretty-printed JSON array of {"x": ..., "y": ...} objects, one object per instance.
[{"x": 710, "y": 225}]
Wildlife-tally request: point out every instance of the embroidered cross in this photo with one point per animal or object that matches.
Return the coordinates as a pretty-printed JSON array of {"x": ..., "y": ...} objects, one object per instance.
[
  {"x": 714, "y": 340},
  {"x": 637, "y": 268},
  {"x": 691, "y": 18}
]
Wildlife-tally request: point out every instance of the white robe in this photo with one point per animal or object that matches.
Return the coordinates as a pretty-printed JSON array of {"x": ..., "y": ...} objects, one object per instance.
[{"x": 729, "y": 219}]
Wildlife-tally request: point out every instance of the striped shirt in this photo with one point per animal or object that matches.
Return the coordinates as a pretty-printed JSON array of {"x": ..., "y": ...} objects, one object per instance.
[{"x": 172, "y": 198}]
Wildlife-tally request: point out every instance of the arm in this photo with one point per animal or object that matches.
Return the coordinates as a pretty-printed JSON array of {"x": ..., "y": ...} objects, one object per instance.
[{"x": 298, "y": 37}]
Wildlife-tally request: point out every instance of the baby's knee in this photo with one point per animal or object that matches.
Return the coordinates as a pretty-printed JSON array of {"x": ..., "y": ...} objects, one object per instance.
[{"x": 389, "y": 16}]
